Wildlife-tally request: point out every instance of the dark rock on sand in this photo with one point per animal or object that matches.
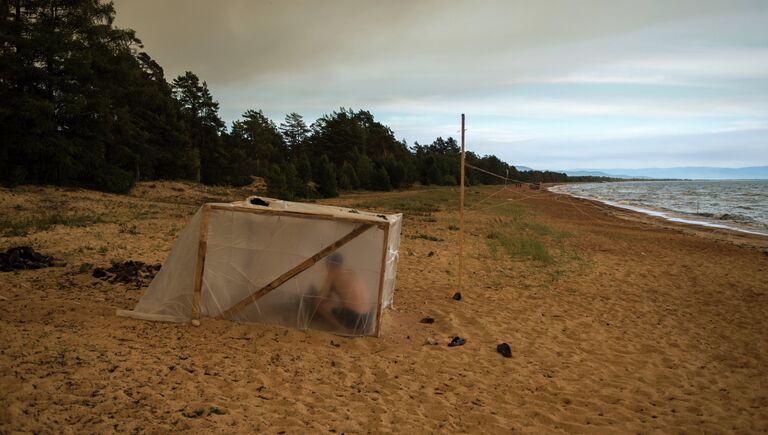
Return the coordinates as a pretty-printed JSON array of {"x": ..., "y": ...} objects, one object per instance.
[
  {"x": 25, "y": 257},
  {"x": 128, "y": 272},
  {"x": 505, "y": 350},
  {"x": 427, "y": 320},
  {"x": 457, "y": 341},
  {"x": 457, "y": 296}
]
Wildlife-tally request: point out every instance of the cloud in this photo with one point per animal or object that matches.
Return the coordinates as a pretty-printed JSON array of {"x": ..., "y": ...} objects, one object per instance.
[
  {"x": 558, "y": 71},
  {"x": 241, "y": 40}
]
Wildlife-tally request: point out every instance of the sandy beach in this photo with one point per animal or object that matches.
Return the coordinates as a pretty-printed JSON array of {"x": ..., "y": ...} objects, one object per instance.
[{"x": 618, "y": 322}]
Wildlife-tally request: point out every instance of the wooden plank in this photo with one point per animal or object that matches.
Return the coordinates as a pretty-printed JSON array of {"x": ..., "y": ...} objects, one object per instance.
[
  {"x": 380, "y": 307},
  {"x": 299, "y": 214},
  {"x": 202, "y": 249},
  {"x": 304, "y": 265}
]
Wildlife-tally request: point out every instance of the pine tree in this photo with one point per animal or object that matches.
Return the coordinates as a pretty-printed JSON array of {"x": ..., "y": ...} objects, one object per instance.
[
  {"x": 262, "y": 141},
  {"x": 201, "y": 113},
  {"x": 295, "y": 133},
  {"x": 380, "y": 180},
  {"x": 326, "y": 181},
  {"x": 396, "y": 172},
  {"x": 343, "y": 182},
  {"x": 81, "y": 104},
  {"x": 296, "y": 187},
  {"x": 304, "y": 169},
  {"x": 364, "y": 170},
  {"x": 277, "y": 186},
  {"x": 349, "y": 174}
]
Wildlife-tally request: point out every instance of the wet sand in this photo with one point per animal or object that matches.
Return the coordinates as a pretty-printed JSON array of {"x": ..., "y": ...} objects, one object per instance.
[{"x": 627, "y": 324}]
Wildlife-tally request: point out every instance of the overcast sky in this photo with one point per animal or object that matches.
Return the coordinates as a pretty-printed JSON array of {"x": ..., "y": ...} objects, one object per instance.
[{"x": 547, "y": 84}]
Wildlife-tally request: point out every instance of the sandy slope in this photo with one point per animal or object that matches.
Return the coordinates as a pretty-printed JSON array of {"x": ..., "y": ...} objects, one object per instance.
[{"x": 635, "y": 325}]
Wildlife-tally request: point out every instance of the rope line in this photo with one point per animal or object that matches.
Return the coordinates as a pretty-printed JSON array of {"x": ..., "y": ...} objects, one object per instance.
[
  {"x": 497, "y": 175},
  {"x": 489, "y": 196},
  {"x": 507, "y": 202},
  {"x": 581, "y": 208}
]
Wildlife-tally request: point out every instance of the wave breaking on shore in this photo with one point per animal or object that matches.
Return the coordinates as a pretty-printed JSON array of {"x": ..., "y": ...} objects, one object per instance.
[{"x": 676, "y": 205}]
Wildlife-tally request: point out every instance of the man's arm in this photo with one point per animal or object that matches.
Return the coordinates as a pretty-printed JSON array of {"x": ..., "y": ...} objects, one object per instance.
[{"x": 325, "y": 290}]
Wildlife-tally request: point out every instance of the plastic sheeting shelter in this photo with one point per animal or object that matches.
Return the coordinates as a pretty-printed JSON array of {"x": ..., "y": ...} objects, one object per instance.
[{"x": 270, "y": 261}]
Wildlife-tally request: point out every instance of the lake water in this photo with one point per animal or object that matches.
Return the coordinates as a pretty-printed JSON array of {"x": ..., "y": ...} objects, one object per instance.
[{"x": 736, "y": 204}]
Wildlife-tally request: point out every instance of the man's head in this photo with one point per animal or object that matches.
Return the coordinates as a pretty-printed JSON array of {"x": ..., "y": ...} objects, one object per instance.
[{"x": 335, "y": 261}]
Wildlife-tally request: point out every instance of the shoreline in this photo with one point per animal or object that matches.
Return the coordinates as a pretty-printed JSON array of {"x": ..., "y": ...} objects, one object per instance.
[{"x": 665, "y": 216}]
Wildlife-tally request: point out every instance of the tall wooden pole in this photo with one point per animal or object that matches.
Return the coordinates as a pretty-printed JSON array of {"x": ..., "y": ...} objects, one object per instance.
[{"x": 461, "y": 210}]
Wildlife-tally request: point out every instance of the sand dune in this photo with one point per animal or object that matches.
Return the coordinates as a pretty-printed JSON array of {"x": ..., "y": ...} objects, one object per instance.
[{"x": 627, "y": 324}]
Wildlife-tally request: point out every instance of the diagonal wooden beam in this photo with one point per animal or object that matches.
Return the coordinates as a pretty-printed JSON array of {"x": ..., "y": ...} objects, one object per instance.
[{"x": 301, "y": 267}]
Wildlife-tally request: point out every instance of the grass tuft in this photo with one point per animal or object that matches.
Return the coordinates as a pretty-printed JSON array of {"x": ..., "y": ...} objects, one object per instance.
[
  {"x": 125, "y": 228},
  {"x": 401, "y": 205},
  {"x": 525, "y": 249},
  {"x": 421, "y": 203},
  {"x": 427, "y": 237},
  {"x": 22, "y": 227},
  {"x": 216, "y": 410},
  {"x": 199, "y": 412}
]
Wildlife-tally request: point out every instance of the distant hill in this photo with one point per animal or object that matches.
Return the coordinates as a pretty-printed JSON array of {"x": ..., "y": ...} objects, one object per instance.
[
  {"x": 688, "y": 172},
  {"x": 600, "y": 174},
  {"x": 523, "y": 168}
]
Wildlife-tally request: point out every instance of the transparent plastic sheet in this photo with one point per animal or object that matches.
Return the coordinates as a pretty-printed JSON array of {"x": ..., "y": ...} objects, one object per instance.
[
  {"x": 247, "y": 250},
  {"x": 393, "y": 248},
  {"x": 170, "y": 294}
]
